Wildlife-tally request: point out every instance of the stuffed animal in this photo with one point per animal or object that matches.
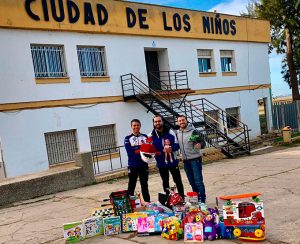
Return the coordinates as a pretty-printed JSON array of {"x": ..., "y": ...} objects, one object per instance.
[
  {"x": 167, "y": 146},
  {"x": 147, "y": 151},
  {"x": 210, "y": 228},
  {"x": 194, "y": 138}
]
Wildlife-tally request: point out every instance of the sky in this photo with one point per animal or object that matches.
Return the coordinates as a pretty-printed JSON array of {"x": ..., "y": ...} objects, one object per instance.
[{"x": 235, "y": 7}]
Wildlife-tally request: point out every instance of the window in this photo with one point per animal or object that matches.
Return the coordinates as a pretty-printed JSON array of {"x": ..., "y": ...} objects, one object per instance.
[
  {"x": 102, "y": 138},
  {"x": 227, "y": 60},
  {"x": 205, "y": 60},
  {"x": 232, "y": 117},
  {"x": 61, "y": 146},
  {"x": 91, "y": 61},
  {"x": 48, "y": 61},
  {"x": 212, "y": 117}
]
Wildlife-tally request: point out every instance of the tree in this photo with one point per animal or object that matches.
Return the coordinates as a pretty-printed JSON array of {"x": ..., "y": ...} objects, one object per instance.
[{"x": 284, "y": 17}]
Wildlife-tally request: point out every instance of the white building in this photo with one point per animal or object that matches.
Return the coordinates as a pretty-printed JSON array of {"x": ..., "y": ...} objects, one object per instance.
[{"x": 60, "y": 72}]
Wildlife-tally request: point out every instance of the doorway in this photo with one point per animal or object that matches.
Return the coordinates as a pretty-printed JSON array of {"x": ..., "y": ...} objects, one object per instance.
[
  {"x": 152, "y": 67},
  {"x": 263, "y": 117}
]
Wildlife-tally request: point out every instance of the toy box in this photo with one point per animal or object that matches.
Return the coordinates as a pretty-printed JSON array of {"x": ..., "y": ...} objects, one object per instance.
[
  {"x": 92, "y": 227},
  {"x": 151, "y": 225},
  {"x": 73, "y": 232},
  {"x": 245, "y": 213},
  {"x": 130, "y": 221},
  {"x": 193, "y": 232},
  {"x": 112, "y": 225},
  {"x": 121, "y": 202}
]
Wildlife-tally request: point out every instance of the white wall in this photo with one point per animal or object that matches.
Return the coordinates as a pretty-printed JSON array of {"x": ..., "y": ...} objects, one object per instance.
[
  {"x": 22, "y": 132},
  {"x": 125, "y": 54}
]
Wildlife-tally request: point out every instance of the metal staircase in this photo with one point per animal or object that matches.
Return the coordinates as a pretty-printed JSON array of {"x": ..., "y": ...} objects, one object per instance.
[{"x": 170, "y": 101}]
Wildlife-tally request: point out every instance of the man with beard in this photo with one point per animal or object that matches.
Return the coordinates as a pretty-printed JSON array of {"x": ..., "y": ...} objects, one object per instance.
[
  {"x": 191, "y": 155},
  {"x": 166, "y": 143}
]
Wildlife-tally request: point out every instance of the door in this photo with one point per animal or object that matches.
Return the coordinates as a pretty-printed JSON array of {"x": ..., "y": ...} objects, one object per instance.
[
  {"x": 152, "y": 66},
  {"x": 263, "y": 119}
]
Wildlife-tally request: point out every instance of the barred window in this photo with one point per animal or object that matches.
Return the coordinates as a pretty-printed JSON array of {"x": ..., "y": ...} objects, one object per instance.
[
  {"x": 212, "y": 117},
  {"x": 205, "y": 60},
  {"x": 91, "y": 61},
  {"x": 226, "y": 60},
  {"x": 48, "y": 61},
  {"x": 232, "y": 117},
  {"x": 103, "y": 138},
  {"x": 61, "y": 146}
]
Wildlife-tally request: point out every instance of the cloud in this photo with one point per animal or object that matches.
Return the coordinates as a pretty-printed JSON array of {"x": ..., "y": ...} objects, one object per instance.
[{"x": 234, "y": 7}]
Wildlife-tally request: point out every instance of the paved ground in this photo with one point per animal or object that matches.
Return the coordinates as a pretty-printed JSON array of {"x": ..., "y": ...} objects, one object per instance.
[{"x": 275, "y": 174}]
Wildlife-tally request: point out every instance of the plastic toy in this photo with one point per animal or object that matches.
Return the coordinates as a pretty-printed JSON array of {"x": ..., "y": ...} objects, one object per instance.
[
  {"x": 167, "y": 146},
  {"x": 193, "y": 232},
  {"x": 210, "y": 228},
  {"x": 225, "y": 232},
  {"x": 245, "y": 216},
  {"x": 171, "y": 229}
]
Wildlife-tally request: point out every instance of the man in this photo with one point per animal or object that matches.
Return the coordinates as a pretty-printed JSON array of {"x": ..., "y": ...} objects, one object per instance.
[
  {"x": 136, "y": 166},
  {"x": 191, "y": 155},
  {"x": 166, "y": 143}
]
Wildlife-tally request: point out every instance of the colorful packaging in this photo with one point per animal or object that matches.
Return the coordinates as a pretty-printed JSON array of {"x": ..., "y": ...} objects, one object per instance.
[
  {"x": 193, "y": 232},
  {"x": 112, "y": 225},
  {"x": 130, "y": 221},
  {"x": 102, "y": 212},
  {"x": 121, "y": 202},
  {"x": 73, "y": 232},
  {"x": 92, "y": 227},
  {"x": 171, "y": 229}
]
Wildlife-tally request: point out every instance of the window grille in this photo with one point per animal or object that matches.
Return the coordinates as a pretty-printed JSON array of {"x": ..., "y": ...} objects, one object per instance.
[
  {"x": 91, "y": 61},
  {"x": 61, "y": 146},
  {"x": 103, "y": 138},
  {"x": 48, "y": 61},
  {"x": 233, "y": 120},
  {"x": 205, "y": 60}
]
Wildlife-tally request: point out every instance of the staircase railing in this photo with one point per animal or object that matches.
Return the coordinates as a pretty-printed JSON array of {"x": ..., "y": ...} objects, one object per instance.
[
  {"x": 197, "y": 112},
  {"x": 171, "y": 80}
]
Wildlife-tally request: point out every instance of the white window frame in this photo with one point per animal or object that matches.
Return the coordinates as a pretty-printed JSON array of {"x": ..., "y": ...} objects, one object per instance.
[
  {"x": 206, "y": 54},
  {"x": 92, "y": 61},
  {"x": 228, "y": 54},
  {"x": 48, "y": 60}
]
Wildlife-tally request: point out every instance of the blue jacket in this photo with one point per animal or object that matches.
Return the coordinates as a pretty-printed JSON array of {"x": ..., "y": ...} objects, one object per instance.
[
  {"x": 132, "y": 143},
  {"x": 158, "y": 142}
]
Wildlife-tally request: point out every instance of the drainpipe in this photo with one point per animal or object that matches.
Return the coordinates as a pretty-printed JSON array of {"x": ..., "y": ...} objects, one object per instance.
[{"x": 2, "y": 165}]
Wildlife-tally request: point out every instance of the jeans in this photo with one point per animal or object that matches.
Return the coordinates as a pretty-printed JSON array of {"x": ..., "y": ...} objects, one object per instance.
[
  {"x": 133, "y": 174},
  {"x": 175, "y": 172},
  {"x": 193, "y": 170}
]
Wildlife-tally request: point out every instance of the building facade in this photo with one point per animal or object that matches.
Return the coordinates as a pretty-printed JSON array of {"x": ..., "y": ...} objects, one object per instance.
[{"x": 61, "y": 63}]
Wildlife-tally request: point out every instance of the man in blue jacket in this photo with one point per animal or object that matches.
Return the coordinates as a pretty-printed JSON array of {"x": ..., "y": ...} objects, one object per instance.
[
  {"x": 165, "y": 142},
  {"x": 137, "y": 168}
]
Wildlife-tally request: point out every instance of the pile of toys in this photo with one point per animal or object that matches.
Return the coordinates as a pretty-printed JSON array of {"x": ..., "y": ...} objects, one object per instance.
[{"x": 239, "y": 216}]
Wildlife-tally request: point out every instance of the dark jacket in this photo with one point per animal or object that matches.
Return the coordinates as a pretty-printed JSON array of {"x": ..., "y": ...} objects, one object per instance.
[
  {"x": 132, "y": 143},
  {"x": 159, "y": 142}
]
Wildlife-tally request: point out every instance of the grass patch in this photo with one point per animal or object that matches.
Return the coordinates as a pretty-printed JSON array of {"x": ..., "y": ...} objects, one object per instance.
[{"x": 280, "y": 139}]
